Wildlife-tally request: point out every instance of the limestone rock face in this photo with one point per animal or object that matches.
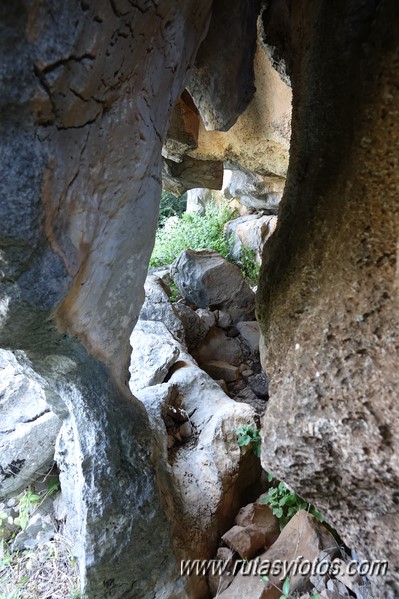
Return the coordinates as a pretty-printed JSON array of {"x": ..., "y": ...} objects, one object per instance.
[
  {"x": 328, "y": 292},
  {"x": 256, "y": 144},
  {"x": 28, "y": 427},
  {"x": 259, "y": 141},
  {"x": 204, "y": 473},
  {"x": 82, "y": 126},
  {"x": 190, "y": 173}
]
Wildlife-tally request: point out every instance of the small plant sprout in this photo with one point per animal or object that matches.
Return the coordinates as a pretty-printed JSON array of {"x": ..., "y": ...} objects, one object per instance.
[
  {"x": 284, "y": 504},
  {"x": 248, "y": 436}
]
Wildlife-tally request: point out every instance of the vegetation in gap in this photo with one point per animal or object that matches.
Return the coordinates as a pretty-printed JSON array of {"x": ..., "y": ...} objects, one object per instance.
[
  {"x": 248, "y": 265},
  {"x": 48, "y": 570},
  {"x": 191, "y": 231},
  {"x": 171, "y": 205},
  {"x": 248, "y": 436},
  {"x": 283, "y": 502}
]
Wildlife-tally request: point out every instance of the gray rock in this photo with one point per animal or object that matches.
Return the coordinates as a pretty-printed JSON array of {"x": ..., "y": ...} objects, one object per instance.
[
  {"x": 216, "y": 346},
  {"x": 207, "y": 280},
  {"x": 195, "y": 329},
  {"x": 157, "y": 306},
  {"x": 154, "y": 352},
  {"x": 28, "y": 427},
  {"x": 222, "y": 79},
  {"x": 218, "y": 369},
  {"x": 40, "y": 529},
  {"x": 259, "y": 384},
  {"x": 207, "y": 317},
  {"x": 327, "y": 302},
  {"x": 250, "y": 332},
  {"x": 223, "y": 319},
  {"x": 200, "y": 473},
  {"x": 253, "y": 190},
  {"x": 81, "y": 148},
  {"x": 198, "y": 199}
]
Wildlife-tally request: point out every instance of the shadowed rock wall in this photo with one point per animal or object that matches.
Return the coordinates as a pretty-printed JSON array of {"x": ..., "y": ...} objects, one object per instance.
[
  {"x": 87, "y": 91},
  {"x": 328, "y": 294}
]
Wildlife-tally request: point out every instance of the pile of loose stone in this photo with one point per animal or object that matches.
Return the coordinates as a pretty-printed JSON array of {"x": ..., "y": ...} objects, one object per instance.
[{"x": 253, "y": 550}]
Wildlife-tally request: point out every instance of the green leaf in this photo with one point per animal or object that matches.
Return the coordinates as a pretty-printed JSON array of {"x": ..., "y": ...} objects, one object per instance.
[
  {"x": 278, "y": 512},
  {"x": 286, "y": 586},
  {"x": 265, "y": 578},
  {"x": 244, "y": 440}
]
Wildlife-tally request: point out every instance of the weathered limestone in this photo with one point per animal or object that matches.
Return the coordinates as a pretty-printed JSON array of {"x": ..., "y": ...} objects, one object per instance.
[
  {"x": 190, "y": 173},
  {"x": 28, "y": 427},
  {"x": 222, "y": 79},
  {"x": 328, "y": 293},
  {"x": 259, "y": 140},
  {"x": 87, "y": 91},
  {"x": 254, "y": 191}
]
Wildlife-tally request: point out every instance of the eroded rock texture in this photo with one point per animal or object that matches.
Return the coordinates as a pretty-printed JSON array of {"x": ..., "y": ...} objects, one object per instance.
[
  {"x": 328, "y": 295},
  {"x": 87, "y": 90}
]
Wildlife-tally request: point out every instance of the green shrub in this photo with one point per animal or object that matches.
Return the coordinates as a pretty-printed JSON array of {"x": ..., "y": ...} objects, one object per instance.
[
  {"x": 248, "y": 265},
  {"x": 171, "y": 205},
  {"x": 191, "y": 231}
]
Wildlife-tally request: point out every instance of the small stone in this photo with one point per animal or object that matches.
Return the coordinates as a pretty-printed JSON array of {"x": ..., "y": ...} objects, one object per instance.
[
  {"x": 178, "y": 414},
  {"x": 224, "y": 319},
  {"x": 185, "y": 430},
  {"x": 170, "y": 442},
  {"x": 207, "y": 317},
  {"x": 247, "y": 373},
  {"x": 259, "y": 515},
  {"x": 260, "y": 385},
  {"x": 236, "y": 386},
  {"x": 221, "y": 370},
  {"x": 39, "y": 530},
  {"x": 246, "y": 541}
]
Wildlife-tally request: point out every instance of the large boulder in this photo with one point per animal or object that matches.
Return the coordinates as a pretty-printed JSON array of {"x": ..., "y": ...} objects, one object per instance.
[
  {"x": 252, "y": 232},
  {"x": 253, "y": 190},
  {"x": 206, "y": 279},
  {"x": 158, "y": 351}
]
